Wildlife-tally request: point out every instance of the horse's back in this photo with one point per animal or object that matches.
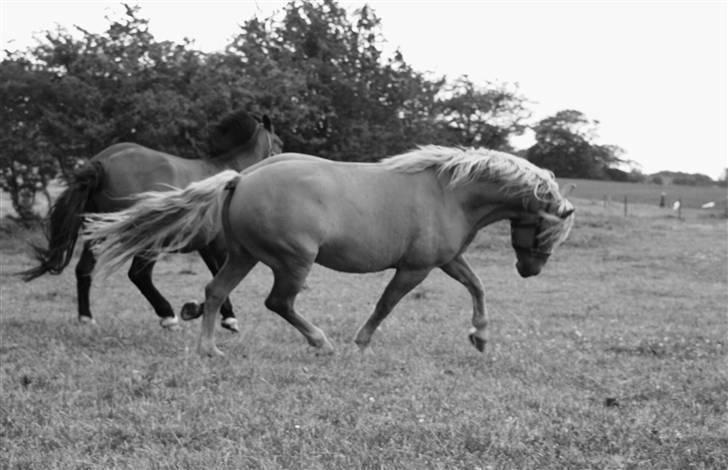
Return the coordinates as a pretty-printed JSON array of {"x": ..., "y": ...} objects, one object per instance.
[{"x": 131, "y": 168}]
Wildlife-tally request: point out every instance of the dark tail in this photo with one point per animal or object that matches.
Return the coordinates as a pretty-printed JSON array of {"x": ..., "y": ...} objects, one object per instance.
[
  {"x": 158, "y": 222},
  {"x": 64, "y": 222}
]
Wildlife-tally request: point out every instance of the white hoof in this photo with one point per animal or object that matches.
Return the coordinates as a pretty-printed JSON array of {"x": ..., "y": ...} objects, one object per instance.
[
  {"x": 209, "y": 351},
  {"x": 170, "y": 323},
  {"x": 84, "y": 320},
  {"x": 325, "y": 349},
  {"x": 477, "y": 339},
  {"x": 230, "y": 323}
]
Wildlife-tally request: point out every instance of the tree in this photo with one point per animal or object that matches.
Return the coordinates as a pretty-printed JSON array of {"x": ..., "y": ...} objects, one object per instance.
[
  {"x": 123, "y": 85},
  {"x": 481, "y": 116},
  {"x": 565, "y": 145},
  {"x": 68, "y": 98},
  {"x": 25, "y": 164},
  {"x": 325, "y": 76}
]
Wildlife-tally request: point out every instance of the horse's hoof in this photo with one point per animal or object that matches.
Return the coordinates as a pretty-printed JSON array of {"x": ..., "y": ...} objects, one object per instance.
[
  {"x": 230, "y": 323},
  {"x": 365, "y": 350},
  {"x": 322, "y": 344},
  {"x": 210, "y": 351},
  {"x": 84, "y": 320},
  {"x": 190, "y": 311},
  {"x": 476, "y": 341},
  {"x": 325, "y": 350},
  {"x": 170, "y": 323}
]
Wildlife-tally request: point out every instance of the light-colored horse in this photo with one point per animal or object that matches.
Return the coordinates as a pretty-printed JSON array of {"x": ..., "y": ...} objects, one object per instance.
[
  {"x": 111, "y": 180},
  {"x": 413, "y": 213}
]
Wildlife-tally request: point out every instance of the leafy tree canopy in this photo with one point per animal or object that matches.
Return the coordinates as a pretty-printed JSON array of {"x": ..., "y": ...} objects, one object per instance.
[
  {"x": 565, "y": 144},
  {"x": 317, "y": 69}
]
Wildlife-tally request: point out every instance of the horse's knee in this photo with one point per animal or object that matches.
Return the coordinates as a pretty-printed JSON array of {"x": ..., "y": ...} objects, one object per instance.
[
  {"x": 83, "y": 275},
  {"x": 276, "y": 304},
  {"x": 214, "y": 295},
  {"x": 84, "y": 269}
]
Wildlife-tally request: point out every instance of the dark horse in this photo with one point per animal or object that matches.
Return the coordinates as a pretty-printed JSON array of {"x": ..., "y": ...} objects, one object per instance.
[
  {"x": 111, "y": 179},
  {"x": 413, "y": 212}
]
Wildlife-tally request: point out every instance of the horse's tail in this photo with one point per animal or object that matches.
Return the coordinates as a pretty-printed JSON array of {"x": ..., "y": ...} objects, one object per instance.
[
  {"x": 64, "y": 221},
  {"x": 159, "y": 222}
]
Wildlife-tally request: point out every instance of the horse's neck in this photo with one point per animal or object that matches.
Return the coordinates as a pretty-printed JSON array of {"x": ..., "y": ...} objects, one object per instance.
[
  {"x": 239, "y": 158},
  {"x": 484, "y": 204}
]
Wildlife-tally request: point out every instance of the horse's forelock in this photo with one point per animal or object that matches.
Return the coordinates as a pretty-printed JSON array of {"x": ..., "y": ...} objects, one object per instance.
[{"x": 556, "y": 233}]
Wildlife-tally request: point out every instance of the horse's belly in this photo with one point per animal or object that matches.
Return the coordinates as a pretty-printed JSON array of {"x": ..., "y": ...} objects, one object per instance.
[{"x": 354, "y": 258}]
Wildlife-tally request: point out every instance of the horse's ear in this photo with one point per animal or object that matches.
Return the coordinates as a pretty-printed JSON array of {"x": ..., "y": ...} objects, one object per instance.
[
  {"x": 267, "y": 123},
  {"x": 569, "y": 189},
  {"x": 566, "y": 213}
]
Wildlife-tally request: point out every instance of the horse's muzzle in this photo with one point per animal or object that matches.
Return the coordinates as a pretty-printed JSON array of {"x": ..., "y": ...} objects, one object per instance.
[{"x": 527, "y": 270}]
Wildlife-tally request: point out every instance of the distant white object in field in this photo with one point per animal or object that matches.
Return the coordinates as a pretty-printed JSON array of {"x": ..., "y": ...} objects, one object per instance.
[
  {"x": 676, "y": 205},
  {"x": 708, "y": 205}
]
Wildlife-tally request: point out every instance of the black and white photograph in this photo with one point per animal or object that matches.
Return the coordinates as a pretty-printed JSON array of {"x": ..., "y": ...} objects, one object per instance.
[{"x": 363, "y": 234}]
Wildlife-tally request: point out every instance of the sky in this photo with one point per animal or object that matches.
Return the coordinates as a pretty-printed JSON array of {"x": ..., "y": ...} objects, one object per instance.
[{"x": 654, "y": 74}]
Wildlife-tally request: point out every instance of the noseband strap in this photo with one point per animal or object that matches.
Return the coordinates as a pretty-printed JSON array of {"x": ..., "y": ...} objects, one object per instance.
[{"x": 531, "y": 250}]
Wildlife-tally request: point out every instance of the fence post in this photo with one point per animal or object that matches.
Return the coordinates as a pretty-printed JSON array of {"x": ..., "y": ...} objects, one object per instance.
[{"x": 625, "y": 205}]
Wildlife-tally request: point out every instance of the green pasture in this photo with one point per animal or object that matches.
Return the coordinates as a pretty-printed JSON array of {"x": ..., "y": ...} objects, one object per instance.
[
  {"x": 614, "y": 192},
  {"x": 616, "y": 356}
]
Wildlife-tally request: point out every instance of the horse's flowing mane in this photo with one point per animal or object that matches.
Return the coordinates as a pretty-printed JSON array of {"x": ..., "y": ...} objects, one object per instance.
[
  {"x": 516, "y": 176},
  {"x": 232, "y": 131}
]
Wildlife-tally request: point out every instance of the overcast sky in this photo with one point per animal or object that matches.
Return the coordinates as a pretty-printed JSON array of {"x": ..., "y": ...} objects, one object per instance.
[{"x": 653, "y": 73}]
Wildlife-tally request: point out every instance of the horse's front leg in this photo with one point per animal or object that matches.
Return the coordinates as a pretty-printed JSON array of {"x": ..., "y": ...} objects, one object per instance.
[
  {"x": 402, "y": 282},
  {"x": 460, "y": 270}
]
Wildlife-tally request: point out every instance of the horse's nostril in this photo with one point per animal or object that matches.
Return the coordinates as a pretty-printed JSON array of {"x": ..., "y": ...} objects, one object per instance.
[{"x": 526, "y": 271}]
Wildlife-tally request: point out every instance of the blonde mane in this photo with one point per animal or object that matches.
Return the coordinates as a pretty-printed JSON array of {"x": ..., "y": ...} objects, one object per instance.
[{"x": 517, "y": 177}]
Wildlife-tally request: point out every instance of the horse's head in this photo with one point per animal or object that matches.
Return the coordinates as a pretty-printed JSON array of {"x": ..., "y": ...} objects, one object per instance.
[
  {"x": 534, "y": 236},
  {"x": 243, "y": 135}
]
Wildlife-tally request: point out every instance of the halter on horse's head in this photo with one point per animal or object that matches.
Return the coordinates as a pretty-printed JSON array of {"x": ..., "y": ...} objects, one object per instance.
[
  {"x": 543, "y": 224},
  {"x": 534, "y": 236}
]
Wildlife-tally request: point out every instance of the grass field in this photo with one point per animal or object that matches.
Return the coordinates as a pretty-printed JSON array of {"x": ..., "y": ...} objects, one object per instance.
[
  {"x": 649, "y": 194},
  {"x": 616, "y": 356}
]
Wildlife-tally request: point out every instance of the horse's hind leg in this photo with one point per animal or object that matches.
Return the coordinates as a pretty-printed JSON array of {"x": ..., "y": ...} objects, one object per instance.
[
  {"x": 214, "y": 257},
  {"x": 237, "y": 265},
  {"x": 289, "y": 281},
  {"x": 402, "y": 282},
  {"x": 140, "y": 274},
  {"x": 84, "y": 269},
  {"x": 460, "y": 270}
]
